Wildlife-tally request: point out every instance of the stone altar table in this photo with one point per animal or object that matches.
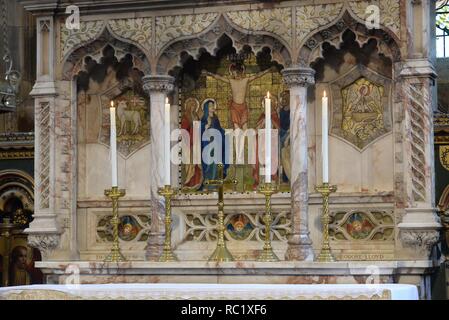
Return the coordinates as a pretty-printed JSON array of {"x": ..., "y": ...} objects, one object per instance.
[{"x": 211, "y": 292}]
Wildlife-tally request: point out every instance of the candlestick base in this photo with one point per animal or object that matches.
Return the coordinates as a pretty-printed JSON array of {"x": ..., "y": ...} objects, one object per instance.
[
  {"x": 267, "y": 255},
  {"x": 325, "y": 254},
  {"x": 221, "y": 254},
  {"x": 115, "y": 256}
]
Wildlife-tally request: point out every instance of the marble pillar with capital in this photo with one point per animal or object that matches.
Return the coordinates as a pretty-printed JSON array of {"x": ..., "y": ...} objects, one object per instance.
[
  {"x": 157, "y": 87},
  {"x": 419, "y": 225},
  {"x": 299, "y": 243}
]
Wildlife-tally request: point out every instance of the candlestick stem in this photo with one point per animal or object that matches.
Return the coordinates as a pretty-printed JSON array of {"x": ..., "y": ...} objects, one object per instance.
[
  {"x": 115, "y": 255},
  {"x": 326, "y": 254},
  {"x": 167, "y": 253},
  {"x": 267, "y": 254}
]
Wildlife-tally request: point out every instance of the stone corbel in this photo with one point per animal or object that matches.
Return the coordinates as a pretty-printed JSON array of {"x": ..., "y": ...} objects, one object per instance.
[
  {"x": 419, "y": 231},
  {"x": 45, "y": 242},
  {"x": 420, "y": 240}
]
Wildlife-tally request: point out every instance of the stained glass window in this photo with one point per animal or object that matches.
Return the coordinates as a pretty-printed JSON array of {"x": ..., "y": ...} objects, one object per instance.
[{"x": 442, "y": 28}]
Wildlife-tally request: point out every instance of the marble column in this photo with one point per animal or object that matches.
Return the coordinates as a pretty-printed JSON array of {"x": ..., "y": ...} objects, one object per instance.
[
  {"x": 44, "y": 232},
  {"x": 299, "y": 244},
  {"x": 157, "y": 87},
  {"x": 419, "y": 228}
]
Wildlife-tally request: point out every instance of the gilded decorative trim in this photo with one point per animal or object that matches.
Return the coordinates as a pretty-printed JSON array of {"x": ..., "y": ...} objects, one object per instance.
[
  {"x": 441, "y": 120},
  {"x": 7, "y": 155},
  {"x": 441, "y": 139},
  {"x": 276, "y": 21},
  {"x": 19, "y": 137},
  {"x": 169, "y": 28},
  {"x": 444, "y": 156}
]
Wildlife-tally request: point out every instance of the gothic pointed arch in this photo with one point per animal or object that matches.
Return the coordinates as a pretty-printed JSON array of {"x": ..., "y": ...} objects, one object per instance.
[
  {"x": 75, "y": 60},
  {"x": 170, "y": 55},
  {"x": 312, "y": 48}
]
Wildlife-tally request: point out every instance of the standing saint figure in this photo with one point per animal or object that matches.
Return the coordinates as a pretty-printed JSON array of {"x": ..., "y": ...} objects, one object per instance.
[
  {"x": 239, "y": 85},
  {"x": 18, "y": 273},
  {"x": 210, "y": 120}
]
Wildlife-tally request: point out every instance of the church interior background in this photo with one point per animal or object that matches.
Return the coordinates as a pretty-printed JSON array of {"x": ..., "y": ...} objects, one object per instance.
[{"x": 388, "y": 140}]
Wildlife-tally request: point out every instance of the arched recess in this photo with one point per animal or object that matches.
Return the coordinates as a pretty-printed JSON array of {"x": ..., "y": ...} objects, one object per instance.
[
  {"x": 170, "y": 56},
  {"x": 311, "y": 50},
  {"x": 75, "y": 59},
  {"x": 18, "y": 185}
]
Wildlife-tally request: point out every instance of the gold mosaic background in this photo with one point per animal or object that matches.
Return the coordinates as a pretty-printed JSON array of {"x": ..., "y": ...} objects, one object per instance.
[{"x": 208, "y": 87}]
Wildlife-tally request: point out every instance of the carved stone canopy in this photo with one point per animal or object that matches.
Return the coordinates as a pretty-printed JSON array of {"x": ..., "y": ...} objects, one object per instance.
[
  {"x": 302, "y": 77},
  {"x": 160, "y": 83}
]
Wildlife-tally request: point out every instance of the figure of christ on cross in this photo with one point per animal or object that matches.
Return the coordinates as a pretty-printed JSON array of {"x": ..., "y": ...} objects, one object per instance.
[
  {"x": 237, "y": 107},
  {"x": 239, "y": 85}
]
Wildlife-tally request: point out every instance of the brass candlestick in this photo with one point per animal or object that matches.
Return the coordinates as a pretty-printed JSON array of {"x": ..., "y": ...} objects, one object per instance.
[
  {"x": 326, "y": 254},
  {"x": 221, "y": 253},
  {"x": 115, "y": 193},
  {"x": 167, "y": 253},
  {"x": 267, "y": 255}
]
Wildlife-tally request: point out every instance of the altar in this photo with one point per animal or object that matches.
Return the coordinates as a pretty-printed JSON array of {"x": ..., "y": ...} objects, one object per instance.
[
  {"x": 154, "y": 162},
  {"x": 210, "y": 292}
]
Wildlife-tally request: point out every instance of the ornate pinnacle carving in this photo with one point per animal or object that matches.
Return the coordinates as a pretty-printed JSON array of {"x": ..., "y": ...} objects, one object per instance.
[
  {"x": 158, "y": 83},
  {"x": 298, "y": 77}
]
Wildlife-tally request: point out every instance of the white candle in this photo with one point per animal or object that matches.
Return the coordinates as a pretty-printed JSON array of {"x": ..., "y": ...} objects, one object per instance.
[
  {"x": 167, "y": 143},
  {"x": 113, "y": 146},
  {"x": 325, "y": 139},
  {"x": 268, "y": 138}
]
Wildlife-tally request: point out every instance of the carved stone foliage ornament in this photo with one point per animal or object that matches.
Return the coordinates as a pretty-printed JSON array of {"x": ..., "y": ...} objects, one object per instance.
[
  {"x": 73, "y": 38},
  {"x": 389, "y": 13},
  {"x": 310, "y": 18},
  {"x": 158, "y": 83},
  {"x": 420, "y": 240},
  {"x": 302, "y": 77},
  {"x": 276, "y": 21},
  {"x": 138, "y": 30},
  {"x": 169, "y": 28},
  {"x": 361, "y": 109},
  {"x": 45, "y": 242},
  {"x": 444, "y": 157}
]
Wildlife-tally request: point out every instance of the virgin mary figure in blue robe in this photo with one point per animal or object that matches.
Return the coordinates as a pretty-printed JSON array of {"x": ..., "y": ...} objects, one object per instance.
[{"x": 210, "y": 121}]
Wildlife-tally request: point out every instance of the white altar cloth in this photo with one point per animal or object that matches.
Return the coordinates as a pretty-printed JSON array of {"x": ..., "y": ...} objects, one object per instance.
[{"x": 160, "y": 291}]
